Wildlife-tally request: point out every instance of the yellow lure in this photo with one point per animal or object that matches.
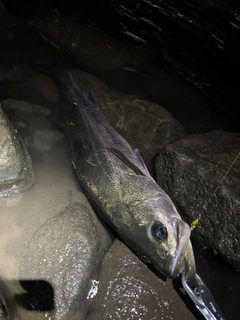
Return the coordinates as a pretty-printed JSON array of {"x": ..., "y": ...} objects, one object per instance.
[{"x": 194, "y": 223}]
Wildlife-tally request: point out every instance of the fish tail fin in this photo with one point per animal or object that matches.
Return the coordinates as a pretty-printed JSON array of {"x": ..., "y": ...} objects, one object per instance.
[
  {"x": 59, "y": 70},
  {"x": 55, "y": 67}
]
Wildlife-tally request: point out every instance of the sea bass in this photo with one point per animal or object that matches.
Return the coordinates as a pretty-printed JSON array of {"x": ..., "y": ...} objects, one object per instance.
[{"x": 118, "y": 184}]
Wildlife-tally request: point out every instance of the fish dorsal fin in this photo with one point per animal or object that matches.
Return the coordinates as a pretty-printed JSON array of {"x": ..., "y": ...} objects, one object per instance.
[
  {"x": 138, "y": 155},
  {"x": 127, "y": 161}
]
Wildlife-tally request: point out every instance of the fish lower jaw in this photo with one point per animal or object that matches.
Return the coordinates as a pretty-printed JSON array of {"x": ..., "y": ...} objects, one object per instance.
[
  {"x": 182, "y": 235},
  {"x": 177, "y": 270},
  {"x": 186, "y": 263}
]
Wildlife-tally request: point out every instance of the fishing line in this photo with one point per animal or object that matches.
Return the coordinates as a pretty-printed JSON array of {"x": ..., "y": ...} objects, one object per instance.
[{"x": 195, "y": 222}]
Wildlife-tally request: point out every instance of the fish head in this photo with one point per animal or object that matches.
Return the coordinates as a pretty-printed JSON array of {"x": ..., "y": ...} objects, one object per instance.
[
  {"x": 153, "y": 227},
  {"x": 169, "y": 247},
  {"x": 160, "y": 236}
]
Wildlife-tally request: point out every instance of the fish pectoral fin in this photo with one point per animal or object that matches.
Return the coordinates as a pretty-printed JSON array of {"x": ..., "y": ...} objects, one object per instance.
[
  {"x": 90, "y": 97},
  {"x": 138, "y": 155},
  {"x": 57, "y": 117},
  {"x": 127, "y": 161}
]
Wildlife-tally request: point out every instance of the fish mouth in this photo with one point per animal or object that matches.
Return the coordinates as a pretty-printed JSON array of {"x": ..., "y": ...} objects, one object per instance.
[{"x": 184, "y": 251}]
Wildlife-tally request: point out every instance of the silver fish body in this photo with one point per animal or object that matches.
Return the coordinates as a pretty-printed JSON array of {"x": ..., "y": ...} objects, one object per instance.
[{"x": 119, "y": 186}]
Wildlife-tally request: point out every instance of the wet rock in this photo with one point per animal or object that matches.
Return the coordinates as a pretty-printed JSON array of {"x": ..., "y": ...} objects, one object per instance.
[
  {"x": 44, "y": 86},
  {"x": 16, "y": 73},
  {"x": 66, "y": 252},
  {"x": 51, "y": 237},
  {"x": 190, "y": 170},
  {"x": 16, "y": 173},
  {"x": 32, "y": 123},
  {"x": 127, "y": 289},
  {"x": 87, "y": 42},
  {"x": 131, "y": 68}
]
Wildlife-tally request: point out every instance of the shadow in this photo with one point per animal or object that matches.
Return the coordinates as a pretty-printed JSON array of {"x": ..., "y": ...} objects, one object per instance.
[
  {"x": 34, "y": 295},
  {"x": 39, "y": 296},
  {"x": 156, "y": 272}
]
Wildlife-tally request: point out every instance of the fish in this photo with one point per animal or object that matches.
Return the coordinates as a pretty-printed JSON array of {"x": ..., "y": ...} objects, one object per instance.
[{"x": 118, "y": 184}]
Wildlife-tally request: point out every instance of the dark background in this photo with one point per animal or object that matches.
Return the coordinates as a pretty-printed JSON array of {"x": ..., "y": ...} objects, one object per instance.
[{"x": 199, "y": 40}]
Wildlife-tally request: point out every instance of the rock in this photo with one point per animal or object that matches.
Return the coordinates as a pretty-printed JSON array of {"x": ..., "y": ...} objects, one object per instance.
[
  {"x": 16, "y": 173},
  {"x": 130, "y": 68},
  {"x": 52, "y": 221},
  {"x": 31, "y": 121},
  {"x": 95, "y": 50},
  {"x": 7, "y": 24},
  {"x": 7, "y": 308},
  {"x": 44, "y": 86},
  {"x": 127, "y": 289},
  {"x": 16, "y": 73},
  {"x": 4, "y": 315},
  {"x": 192, "y": 171},
  {"x": 66, "y": 251}
]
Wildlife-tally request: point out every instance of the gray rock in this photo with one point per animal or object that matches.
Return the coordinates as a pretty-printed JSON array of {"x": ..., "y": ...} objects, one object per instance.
[
  {"x": 86, "y": 44},
  {"x": 66, "y": 252},
  {"x": 16, "y": 73},
  {"x": 190, "y": 170},
  {"x": 42, "y": 85},
  {"x": 16, "y": 173},
  {"x": 127, "y": 289}
]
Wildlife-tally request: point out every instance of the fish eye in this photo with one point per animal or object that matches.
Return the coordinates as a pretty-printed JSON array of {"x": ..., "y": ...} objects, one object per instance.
[{"x": 159, "y": 230}]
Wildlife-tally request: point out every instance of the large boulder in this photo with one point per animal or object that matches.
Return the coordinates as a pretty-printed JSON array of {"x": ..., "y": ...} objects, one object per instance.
[
  {"x": 200, "y": 175},
  {"x": 128, "y": 289},
  {"x": 43, "y": 86},
  {"x": 96, "y": 51},
  {"x": 7, "y": 307},
  {"x": 15, "y": 73},
  {"x": 66, "y": 252},
  {"x": 16, "y": 173}
]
